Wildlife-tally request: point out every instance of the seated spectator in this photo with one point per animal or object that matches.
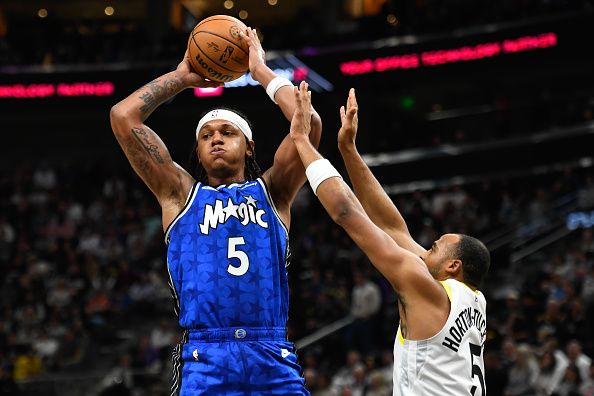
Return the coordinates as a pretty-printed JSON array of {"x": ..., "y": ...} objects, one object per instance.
[
  {"x": 27, "y": 365},
  {"x": 523, "y": 373},
  {"x": 571, "y": 382},
  {"x": 579, "y": 359},
  {"x": 550, "y": 375}
]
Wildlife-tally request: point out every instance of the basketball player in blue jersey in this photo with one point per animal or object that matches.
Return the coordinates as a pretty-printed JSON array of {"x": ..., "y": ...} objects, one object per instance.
[
  {"x": 439, "y": 344},
  {"x": 226, "y": 228}
]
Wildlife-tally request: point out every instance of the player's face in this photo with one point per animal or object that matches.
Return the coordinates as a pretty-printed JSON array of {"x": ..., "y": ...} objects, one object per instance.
[
  {"x": 222, "y": 148},
  {"x": 439, "y": 254}
]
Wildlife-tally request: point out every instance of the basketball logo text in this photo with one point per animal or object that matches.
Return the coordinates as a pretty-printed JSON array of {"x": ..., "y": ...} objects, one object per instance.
[
  {"x": 212, "y": 73},
  {"x": 213, "y": 46},
  {"x": 226, "y": 54}
]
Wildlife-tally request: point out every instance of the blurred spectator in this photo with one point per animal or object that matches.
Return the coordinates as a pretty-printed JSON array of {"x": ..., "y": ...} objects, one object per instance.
[
  {"x": 588, "y": 384},
  {"x": 119, "y": 381},
  {"x": 578, "y": 359},
  {"x": 46, "y": 347},
  {"x": 571, "y": 383},
  {"x": 27, "y": 365},
  {"x": 551, "y": 371},
  {"x": 345, "y": 376},
  {"x": 162, "y": 337},
  {"x": 378, "y": 385},
  {"x": 523, "y": 373},
  {"x": 365, "y": 303},
  {"x": 358, "y": 386}
]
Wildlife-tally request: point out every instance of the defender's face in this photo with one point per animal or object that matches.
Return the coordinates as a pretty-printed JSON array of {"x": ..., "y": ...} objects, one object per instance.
[
  {"x": 222, "y": 148},
  {"x": 440, "y": 252}
]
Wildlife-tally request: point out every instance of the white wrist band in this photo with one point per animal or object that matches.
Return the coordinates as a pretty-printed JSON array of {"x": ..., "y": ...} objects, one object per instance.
[
  {"x": 318, "y": 171},
  {"x": 275, "y": 84}
]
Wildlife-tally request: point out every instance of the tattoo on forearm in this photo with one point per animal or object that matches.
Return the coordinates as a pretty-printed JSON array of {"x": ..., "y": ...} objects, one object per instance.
[
  {"x": 149, "y": 102},
  {"x": 144, "y": 139},
  {"x": 156, "y": 92},
  {"x": 172, "y": 86}
]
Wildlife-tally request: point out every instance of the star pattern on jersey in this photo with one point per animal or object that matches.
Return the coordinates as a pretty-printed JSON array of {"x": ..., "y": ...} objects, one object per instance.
[
  {"x": 251, "y": 200},
  {"x": 230, "y": 210},
  {"x": 212, "y": 297}
]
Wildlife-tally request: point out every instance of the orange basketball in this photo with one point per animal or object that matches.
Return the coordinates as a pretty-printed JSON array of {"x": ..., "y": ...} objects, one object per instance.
[{"x": 216, "y": 49}]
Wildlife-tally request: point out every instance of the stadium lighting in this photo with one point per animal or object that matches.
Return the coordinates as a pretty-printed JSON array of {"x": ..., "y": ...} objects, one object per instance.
[
  {"x": 272, "y": 2},
  {"x": 109, "y": 10},
  {"x": 228, "y": 4},
  {"x": 243, "y": 14},
  {"x": 42, "y": 13}
]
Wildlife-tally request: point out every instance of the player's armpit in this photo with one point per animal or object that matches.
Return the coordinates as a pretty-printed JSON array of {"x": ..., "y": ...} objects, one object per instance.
[{"x": 287, "y": 174}]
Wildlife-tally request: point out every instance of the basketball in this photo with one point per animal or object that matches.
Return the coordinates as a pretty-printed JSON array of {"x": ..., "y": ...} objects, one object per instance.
[{"x": 216, "y": 49}]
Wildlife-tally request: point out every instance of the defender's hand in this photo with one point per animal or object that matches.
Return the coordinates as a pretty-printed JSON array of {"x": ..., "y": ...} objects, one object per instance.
[
  {"x": 301, "y": 122},
  {"x": 257, "y": 54},
  {"x": 350, "y": 121},
  {"x": 190, "y": 78}
]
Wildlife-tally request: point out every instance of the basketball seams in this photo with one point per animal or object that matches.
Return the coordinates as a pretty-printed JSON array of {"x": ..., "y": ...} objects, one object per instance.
[
  {"x": 214, "y": 61},
  {"x": 220, "y": 19},
  {"x": 191, "y": 55},
  {"x": 221, "y": 37}
]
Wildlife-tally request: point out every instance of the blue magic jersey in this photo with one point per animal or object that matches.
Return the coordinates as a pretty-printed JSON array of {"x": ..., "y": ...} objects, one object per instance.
[{"x": 227, "y": 255}]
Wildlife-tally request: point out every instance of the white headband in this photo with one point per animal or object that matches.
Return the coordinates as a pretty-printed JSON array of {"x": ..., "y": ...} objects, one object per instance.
[{"x": 232, "y": 117}]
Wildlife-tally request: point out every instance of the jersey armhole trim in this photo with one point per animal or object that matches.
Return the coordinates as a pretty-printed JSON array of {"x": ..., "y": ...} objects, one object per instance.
[
  {"x": 399, "y": 336},
  {"x": 448, "y": 289},
  {"x": 271, "y": 203},
  {"x": 187, "y": 205}
]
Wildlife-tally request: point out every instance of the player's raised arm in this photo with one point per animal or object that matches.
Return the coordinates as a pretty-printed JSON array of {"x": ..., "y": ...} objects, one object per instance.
[
  {"x": 146, "y": 152},
  {"x": 287, "y": 174},
  {"x": 406, "y": 272},
  {"x": 377, "y": 203}
]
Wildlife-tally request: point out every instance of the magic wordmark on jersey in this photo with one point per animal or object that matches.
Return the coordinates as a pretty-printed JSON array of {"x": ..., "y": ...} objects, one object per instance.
[{"x": 246, "y": 212}]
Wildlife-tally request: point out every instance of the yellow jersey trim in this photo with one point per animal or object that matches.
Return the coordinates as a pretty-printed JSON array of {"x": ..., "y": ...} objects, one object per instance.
[
  {"x": 447, "y": 288},
  {"x": 399, "y": 337}
]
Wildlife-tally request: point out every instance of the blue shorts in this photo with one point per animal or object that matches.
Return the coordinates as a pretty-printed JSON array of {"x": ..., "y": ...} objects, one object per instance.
[{"x": 236, "y": 361}]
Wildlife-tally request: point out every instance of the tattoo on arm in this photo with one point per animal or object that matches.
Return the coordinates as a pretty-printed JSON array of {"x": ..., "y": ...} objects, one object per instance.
[
  {"x": 156, "y": 92},
  {"x": 151, "y": 148}
]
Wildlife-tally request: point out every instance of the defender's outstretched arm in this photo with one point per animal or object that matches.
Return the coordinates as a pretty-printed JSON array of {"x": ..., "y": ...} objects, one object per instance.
[{"x": 377, "y": 203}]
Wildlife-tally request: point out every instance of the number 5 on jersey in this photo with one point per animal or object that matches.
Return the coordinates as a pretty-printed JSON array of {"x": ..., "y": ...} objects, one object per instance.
[
  {"x": 232, "y": 252},
  {"x": 476, "y": 350}
]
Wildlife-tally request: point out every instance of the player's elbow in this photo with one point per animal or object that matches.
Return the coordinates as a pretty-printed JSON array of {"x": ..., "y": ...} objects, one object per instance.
[
  {"x": 342, "y": 212},
  {"x": 118, "y": 117},
  {"x": 116, "y": 114}
]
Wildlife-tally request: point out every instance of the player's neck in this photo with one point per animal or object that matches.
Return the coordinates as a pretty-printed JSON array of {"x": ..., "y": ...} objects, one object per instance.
[{"x": 215, "y": 181}]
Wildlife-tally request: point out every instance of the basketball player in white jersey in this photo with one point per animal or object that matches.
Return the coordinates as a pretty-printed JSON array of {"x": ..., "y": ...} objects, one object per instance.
[{"x": 439, "y": 344}]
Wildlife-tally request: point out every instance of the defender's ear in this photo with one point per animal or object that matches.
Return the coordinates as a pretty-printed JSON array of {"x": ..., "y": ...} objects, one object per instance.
[{"x": 453, "y": 267}]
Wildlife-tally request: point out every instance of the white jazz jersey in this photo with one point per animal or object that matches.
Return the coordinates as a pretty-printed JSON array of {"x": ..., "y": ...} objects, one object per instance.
[{"x": 451, "y": 362}]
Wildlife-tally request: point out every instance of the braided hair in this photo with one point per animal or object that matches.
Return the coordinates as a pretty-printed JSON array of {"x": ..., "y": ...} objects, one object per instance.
[{"x": 252, "y": 170}]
